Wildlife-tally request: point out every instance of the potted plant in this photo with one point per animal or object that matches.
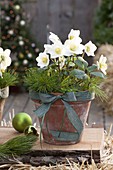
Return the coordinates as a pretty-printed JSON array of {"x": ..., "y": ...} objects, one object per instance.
[
  {"x": 7, "y": 78},
  {"x": 63, "y": 85}
]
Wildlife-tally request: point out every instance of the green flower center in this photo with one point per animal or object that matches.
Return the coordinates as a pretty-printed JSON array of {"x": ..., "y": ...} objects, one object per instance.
[
  {"x": 102, "y": 65},
  {"x": 88, "y": 49},
  {"x": 71, "y": 37},
  {"x": 73, "y": 47},
  {"x": 2, "y": 58},
  {"x": 58, "y": 51},
  {"x": 44, "y": 60}
]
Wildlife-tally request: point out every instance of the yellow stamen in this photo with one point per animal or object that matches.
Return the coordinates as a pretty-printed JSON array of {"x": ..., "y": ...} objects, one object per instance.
[
  {"x": 88, "y": 49},
  {"x": 73, "y": 47},
  {"x": 2, "y": 58},
  {"x": 58, "y": 50},
  {"x": 44, "y": 59},
  {"x": 71, "y": 37},
  {"x": 103, "y": 65}
]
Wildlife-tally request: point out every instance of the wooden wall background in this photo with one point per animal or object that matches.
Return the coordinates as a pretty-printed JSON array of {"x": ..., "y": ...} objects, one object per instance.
[{"x": 61, "y": 16}]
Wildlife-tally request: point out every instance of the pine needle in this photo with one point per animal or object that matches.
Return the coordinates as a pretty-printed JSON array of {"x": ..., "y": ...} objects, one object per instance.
[{"x": 17, "y": 146}]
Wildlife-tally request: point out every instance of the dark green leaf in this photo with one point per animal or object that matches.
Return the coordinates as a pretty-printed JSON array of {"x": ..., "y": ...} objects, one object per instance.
[
  {"x": 92, "y": 68},
  {"x": 85, "y": 63},
  {"x": 80, "y": 62},
  {"x": 98, "y": 74},
  {"x": 79, "y": 74}
]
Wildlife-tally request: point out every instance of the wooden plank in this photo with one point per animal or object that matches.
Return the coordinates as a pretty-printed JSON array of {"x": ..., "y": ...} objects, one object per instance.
[
  {"x": 61, "y": 15},
  {"x": 84, "y": 13},
  {"x": 54, "y": 15},
  {"x": 92, "y": 139},
  {"x": 28, "y": 108},
  {"x": 89, "y": 147},
  {"x": 39, "y": 14},
  {"x": 8, "y": 104},
  {"x": 95, "y": 114},
  {"x": 17, "y": 103},
  {"x": 66, "y": 17}
]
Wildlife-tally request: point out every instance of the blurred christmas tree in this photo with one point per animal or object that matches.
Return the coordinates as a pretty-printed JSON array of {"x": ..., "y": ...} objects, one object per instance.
[
  {"x": 103, "y": 28},
  {"x": 15, "y": 35}
]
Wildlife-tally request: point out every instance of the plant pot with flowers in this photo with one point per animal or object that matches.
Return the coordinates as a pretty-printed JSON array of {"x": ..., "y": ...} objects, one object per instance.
[
  {"x": 63, "y": 85},
  {"x": 7, "y": 78}
]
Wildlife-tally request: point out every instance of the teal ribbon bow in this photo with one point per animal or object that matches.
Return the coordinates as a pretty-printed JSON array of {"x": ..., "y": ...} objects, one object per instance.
[{"x": 48, "y": 99}]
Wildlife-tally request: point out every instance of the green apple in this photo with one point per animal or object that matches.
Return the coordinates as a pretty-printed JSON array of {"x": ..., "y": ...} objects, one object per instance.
[{"x": 21, "y": 121}]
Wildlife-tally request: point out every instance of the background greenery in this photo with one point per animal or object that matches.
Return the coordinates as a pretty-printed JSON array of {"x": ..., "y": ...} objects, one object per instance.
[{"x": 103, "y": 23}]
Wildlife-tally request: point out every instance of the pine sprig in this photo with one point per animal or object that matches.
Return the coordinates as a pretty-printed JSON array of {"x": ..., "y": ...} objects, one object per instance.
[
  {"x": 41, "y": 81},
  {"x": 18, "y": 145},
  {"x": 95, "y": 87},
  {"x": 8, "y": 79}
]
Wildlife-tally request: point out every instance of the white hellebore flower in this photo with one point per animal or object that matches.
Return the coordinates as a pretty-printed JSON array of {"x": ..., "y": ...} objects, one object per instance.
[
  {"x": 5, "y": 59},
  {"x": 53, "y": 37},
  {"x": 90, "y": 48},
  {"x": 101, "y": 64},
  {"x": 73, "y": 47},
  {"x": 74, "y": 35},
  {"x": 43, "y": 60},
  {"x": 55, "y": 50}
]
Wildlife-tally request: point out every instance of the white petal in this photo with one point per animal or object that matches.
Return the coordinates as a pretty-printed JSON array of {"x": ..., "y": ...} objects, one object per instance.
[
  {"x": 90, "y": 48},
  {"x": 7, "y": 53},
  {"x": 101, "y": 64},
  {"x": 3, "y": 66},
  {"x": 73, "y": 47},
  {"x": 42, "y": 59},
  {"x": 6, "y": 58},
  {"x": 56, "y": 50},
  {"x": 74, "y": 33},
  {"x": 47, "y": 48},
  {"x": 102, "y": 59},
  {"x": 1, "y": 50},
  {"x": 53, "y": 37}
]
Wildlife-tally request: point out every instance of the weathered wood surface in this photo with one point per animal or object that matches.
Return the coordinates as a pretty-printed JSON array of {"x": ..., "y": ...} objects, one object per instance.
[
  {"x": 89, "y": 147},
  {"x": 21, "y": 102},
  {"x": 61, "y": 16}
]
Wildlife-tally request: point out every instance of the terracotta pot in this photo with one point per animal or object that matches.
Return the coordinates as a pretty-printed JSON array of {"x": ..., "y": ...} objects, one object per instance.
[{"x": 55, "y": 120}]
